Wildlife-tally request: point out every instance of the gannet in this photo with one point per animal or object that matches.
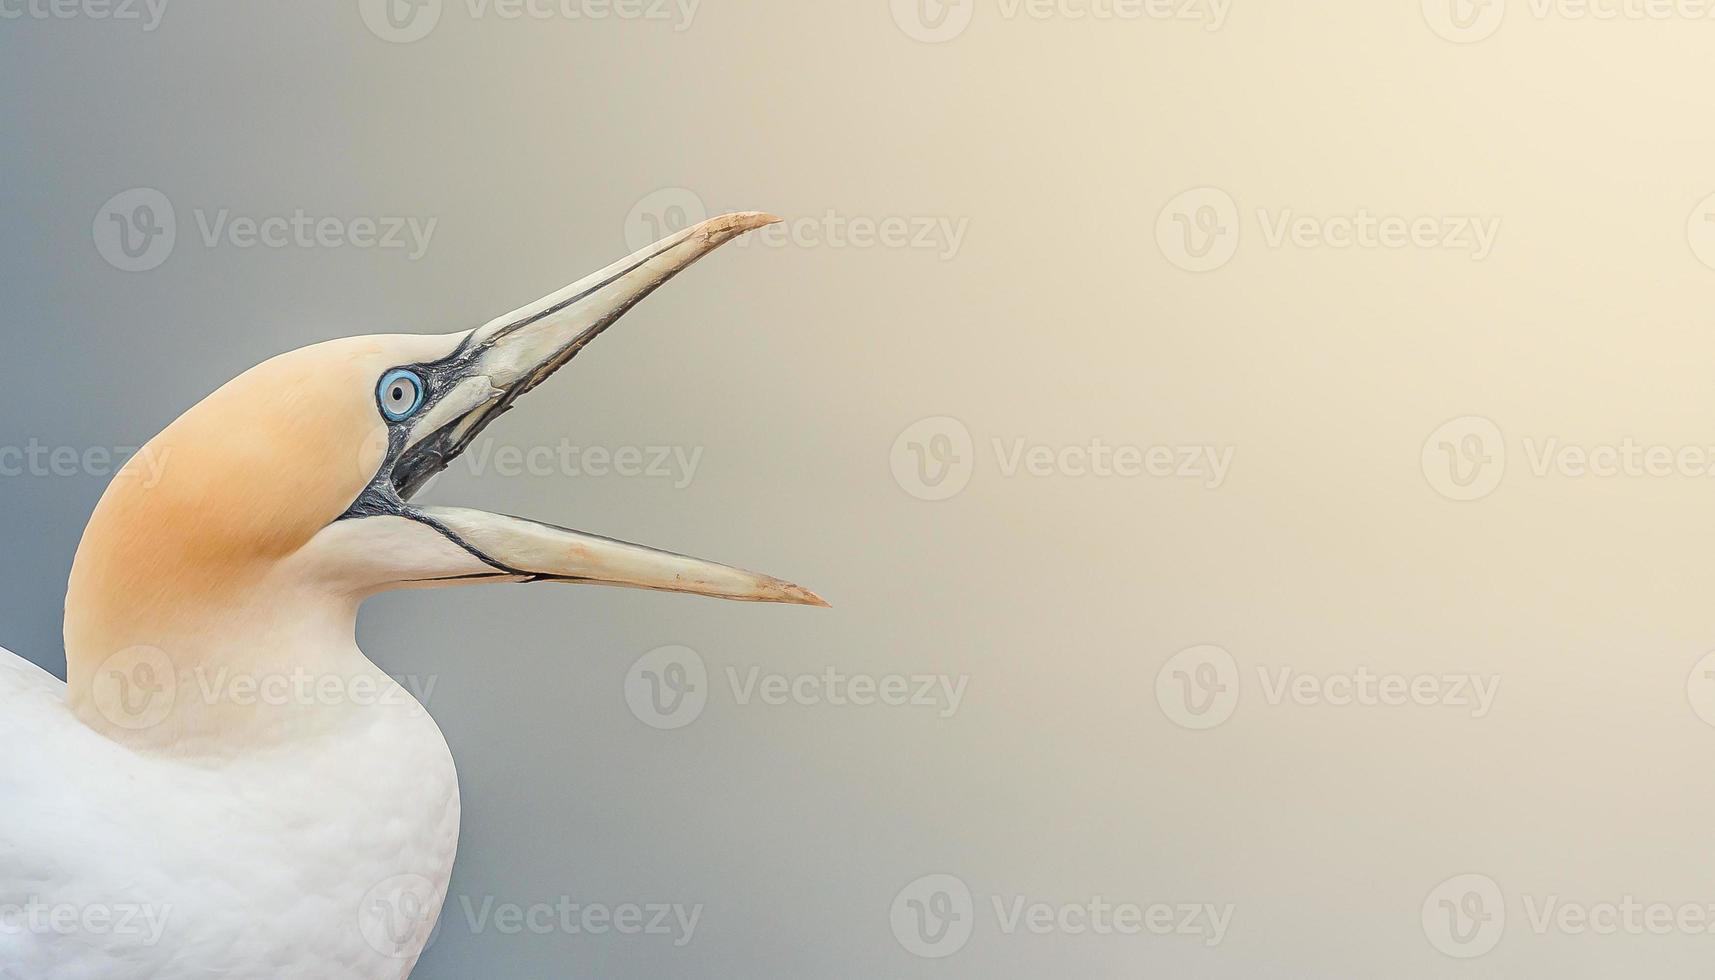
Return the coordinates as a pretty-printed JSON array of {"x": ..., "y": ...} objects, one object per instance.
[{"x": 161, "y": 816}]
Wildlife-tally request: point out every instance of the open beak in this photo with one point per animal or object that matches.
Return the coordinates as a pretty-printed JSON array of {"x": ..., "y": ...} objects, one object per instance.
[{"x": 499, "y": 362}]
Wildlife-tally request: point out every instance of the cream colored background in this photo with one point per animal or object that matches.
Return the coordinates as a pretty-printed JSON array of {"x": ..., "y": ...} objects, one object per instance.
[{"x": 1060, "y": 319}]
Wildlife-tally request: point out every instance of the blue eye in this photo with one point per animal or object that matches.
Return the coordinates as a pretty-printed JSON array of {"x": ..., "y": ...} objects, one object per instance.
[{"x": 401, "y": 394}]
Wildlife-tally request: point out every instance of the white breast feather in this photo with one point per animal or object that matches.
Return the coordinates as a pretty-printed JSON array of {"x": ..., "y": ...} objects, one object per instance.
[{"x": 252, "y": 869}]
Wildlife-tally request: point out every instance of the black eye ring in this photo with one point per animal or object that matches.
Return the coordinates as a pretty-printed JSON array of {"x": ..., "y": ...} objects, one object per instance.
[{"x": 400, "y": 394}]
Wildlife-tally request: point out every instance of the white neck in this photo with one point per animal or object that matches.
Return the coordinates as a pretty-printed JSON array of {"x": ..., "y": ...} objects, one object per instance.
[{"x": 281, "y": 667}]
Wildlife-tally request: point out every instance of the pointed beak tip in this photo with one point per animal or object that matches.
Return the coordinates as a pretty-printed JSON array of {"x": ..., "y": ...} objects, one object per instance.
[
  {"x": 798, "y": 595},
  {"x": 728, "y": 226}
]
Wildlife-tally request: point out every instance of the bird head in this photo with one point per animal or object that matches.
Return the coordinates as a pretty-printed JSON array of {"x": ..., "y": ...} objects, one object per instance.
[{"x": 297, "y": 479}]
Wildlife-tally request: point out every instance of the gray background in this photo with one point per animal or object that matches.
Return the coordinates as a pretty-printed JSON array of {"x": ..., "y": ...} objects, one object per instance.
[{"x": 1064, "y": 316}]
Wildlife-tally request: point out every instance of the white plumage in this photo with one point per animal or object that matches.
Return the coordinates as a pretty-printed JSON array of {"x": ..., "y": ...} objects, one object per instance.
[{"x": 255, "y": 866}]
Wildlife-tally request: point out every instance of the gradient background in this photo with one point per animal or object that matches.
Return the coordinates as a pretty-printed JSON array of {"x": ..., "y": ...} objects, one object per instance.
[{"x": 1062, "y": 317}]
